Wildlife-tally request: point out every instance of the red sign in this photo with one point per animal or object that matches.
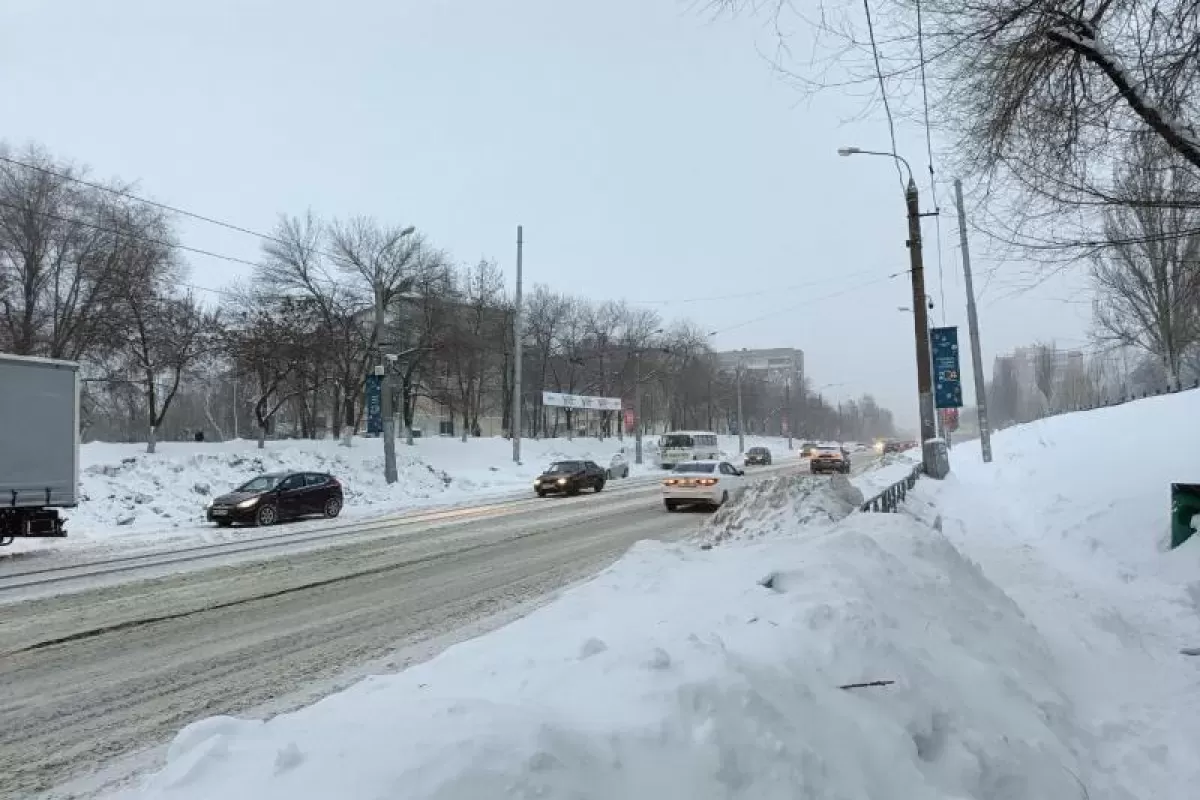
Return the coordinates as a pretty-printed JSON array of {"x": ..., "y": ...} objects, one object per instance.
[
  {"x": 949, "y": 419},
  {"x": 630, "y": 421}
]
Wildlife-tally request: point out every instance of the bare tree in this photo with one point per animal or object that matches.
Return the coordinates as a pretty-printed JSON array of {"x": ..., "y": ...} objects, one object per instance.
[
  {"x": 296, "y": 263},
  {"x": 69, "y": 256},
  {"x": 169, "y": 336},
  {"x": 1148, "y": 281}
]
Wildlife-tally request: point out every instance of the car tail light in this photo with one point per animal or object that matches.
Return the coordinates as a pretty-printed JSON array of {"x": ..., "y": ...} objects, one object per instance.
[
  {"x": 670, "y": 482},
  {"x": 707, "y": 481}
]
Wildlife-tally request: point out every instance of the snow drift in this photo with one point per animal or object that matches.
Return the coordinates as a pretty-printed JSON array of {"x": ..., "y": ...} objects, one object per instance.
[
  {"x": 127, "y": 491},
  {"x": 689, "y": 673}
]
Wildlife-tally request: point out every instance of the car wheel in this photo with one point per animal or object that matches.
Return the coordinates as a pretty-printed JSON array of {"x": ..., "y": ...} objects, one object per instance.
[
  {"x": 333, "y": 507},
  {"x": 267, "y": 515},
  {"x": 224, "y": 523},
  {"x": 599, "y": 487},
  {"x": 573, "y": 489},
  {"x": 541, "y": 493},
  {"x": 625, "y": 474}
]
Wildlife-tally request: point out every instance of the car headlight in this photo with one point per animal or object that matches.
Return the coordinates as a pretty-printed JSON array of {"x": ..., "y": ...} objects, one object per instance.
[
  {"x": 562, "y": 481},
  {"x": 248, "y": 503}
]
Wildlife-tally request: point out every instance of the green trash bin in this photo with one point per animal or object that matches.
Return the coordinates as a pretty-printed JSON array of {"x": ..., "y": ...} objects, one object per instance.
[{"x": 1185, "y": 506}]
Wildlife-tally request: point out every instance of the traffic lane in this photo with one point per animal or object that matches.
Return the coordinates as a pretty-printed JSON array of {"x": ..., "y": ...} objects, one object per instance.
[{"x": 70, "y": 707}]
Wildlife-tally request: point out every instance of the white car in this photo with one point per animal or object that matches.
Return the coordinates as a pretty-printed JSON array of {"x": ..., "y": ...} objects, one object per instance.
[
  {"x": 708, "y": 483},
  {"x": 618, "y": 467}
]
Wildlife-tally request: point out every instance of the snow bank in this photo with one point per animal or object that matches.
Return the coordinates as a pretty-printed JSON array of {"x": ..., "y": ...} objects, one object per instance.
[
  {"x": 127, "y": 491},
  {"x": 1072, "y": 521},
  {"x": 689, "y": 673},
  {"x": 780, "y": 505}
]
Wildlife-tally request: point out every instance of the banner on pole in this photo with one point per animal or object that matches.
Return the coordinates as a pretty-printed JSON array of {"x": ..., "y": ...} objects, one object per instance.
[
  {"x": 374, "y": 404},
  {"x": 947, "y": 382},
  {"x": 581, "y": 401}
]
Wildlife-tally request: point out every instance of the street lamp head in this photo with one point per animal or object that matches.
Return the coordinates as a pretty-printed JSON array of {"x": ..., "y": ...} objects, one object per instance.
[
  {"x": 409, "y": 231},
  {"x": 848, "y": 151}
]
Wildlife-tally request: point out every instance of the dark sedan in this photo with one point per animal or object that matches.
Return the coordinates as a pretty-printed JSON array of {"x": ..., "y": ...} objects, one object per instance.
[
  {"x": 570, "y": 477},
  {"x": 757, "y": 455},
  {"x": 268, "y": 499}
]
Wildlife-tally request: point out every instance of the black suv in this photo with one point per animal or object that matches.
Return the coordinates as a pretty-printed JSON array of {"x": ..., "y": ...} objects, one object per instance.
[
  {"x": 270, "y": 498},
  {"x": 757, "y": 455},
  {"x": 570, "y": 477}
]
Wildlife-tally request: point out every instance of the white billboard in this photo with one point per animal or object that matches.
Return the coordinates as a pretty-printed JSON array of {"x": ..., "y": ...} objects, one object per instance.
[{"x": 582, "y": 401}]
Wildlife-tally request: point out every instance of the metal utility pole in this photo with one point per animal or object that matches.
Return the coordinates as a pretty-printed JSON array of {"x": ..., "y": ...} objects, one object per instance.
[
  {"x": 787, "y": 400},
  {"x": 921, "y": 330},
  {"x": 385, "y": 394},
  {"x": 741, "y": 422},
  {"x": 518, "y": 334},
  {"x": 637, "y": 406},
  {"x": 985, "y": 431}
]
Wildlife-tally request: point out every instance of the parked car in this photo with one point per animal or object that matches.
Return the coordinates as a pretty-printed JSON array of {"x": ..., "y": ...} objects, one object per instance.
[
  {"x": 830, "y": 458},
  {"x": 807, "y": 449},
  {"x": 707, "y": 483},
  {"x": 570, "y": 477},
  {"x": 277, "y": 496},
  {"x": 618, "y": 467},
  {"x": 757, "y": 455}
]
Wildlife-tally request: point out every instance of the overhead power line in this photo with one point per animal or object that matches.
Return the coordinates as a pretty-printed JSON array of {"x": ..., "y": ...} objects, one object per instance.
[
  {"x": 809, "y": 301},
  {"x": 887, "y": 108},
  {"x": 130, "y": 235},
  {"x": 929, "y": 152}
]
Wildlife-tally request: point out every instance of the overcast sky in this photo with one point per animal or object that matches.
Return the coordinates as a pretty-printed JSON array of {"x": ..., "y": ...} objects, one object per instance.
[{"x": 647, "y": 149}]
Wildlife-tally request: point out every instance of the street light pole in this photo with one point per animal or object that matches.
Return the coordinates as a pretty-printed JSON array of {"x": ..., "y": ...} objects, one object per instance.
[
  {"x": 741, "y": 421},
  {"x": 637, "y": 406},
  {"x": 518, "y": 334},
  {"x": 787, "y": 405},
  {"x": 920, "y": 315},
  {"x": 985, "y": 431}
]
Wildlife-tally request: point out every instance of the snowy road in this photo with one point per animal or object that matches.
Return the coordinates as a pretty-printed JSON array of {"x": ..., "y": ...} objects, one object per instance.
[{"x": 101, "y": 673}]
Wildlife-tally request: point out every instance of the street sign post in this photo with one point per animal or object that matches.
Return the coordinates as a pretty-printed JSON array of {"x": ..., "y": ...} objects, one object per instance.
[
  {"x": 947, "y": 380},
  {"x": 374, "y": 403}
]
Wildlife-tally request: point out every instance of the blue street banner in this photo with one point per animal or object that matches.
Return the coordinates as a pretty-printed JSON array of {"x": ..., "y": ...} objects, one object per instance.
[
  {"x": 947, "y": 382},
  {"x": 374, "y": 404}
]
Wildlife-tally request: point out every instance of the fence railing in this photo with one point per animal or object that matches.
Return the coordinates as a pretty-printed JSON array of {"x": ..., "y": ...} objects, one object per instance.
[{"x": 888, "y": 501}]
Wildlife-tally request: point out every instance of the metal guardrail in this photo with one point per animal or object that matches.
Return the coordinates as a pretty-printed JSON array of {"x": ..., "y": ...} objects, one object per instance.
[{"x": 888, "y": 501}]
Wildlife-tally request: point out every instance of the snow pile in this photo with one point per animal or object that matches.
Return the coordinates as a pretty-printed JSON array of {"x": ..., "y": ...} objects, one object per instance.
[
  {"x": 689, "y": 673},
  {"x": 1072, "y": 520},
  {"x": 125, "y": 490},
  {"x": 781, "y": 505}
]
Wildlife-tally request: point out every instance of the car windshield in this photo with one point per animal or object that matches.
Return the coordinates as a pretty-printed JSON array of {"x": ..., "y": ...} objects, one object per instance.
[
  {"x": 675, "y": 440},
  {"x": 828, "y": 450},
  {"x": 563, "y": 467},
  {"x": 263, "y": 483},
  {"x": 696, "y": 467},
  {"x": 758, "y": 451}
]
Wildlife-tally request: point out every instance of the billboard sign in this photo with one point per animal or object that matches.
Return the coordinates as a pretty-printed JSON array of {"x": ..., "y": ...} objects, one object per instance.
[
  {"x": 947, "y": 381},
  {"x": 581, "y": 401},
  {"x": 374, "y": 404}
]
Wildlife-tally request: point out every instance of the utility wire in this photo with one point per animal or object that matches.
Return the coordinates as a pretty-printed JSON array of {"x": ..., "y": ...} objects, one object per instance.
[
  {"x": 887, "y": 108},
  {"x": 929, "y": 152},
  {"x": 128, "y": 234},
  {"x": 809, "y": 301}
]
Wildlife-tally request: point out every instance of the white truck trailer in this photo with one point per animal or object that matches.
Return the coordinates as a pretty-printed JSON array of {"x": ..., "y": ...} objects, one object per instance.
[{"x": 39, "y": 445}]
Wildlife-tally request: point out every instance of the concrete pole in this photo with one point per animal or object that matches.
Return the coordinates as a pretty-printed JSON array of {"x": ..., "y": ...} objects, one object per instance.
[
  {"x": 985, "y": 431},
  {"x": 741, "y": 421},
  {"x": 385, "y": 389},
  {"x": 518, "y": 335},
  {"x": 787, "y": 395},
  {"x": 637, "y": 406},
  {"x": 921, "y": 330}
]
